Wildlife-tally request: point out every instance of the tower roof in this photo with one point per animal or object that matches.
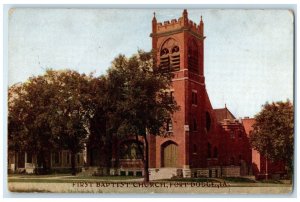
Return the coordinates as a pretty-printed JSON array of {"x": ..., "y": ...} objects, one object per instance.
[{"x": 182, "y": 23}]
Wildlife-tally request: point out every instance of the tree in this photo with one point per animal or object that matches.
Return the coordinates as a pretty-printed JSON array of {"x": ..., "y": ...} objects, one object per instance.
[
  {"x": 16, "y": 136},
  {"x": 51, "y": 112},
  {"x": 28, "y": 128},
  {"x": 140, "y": 103},
  {"x": 60, "y": 109},
  {"x": 99, "y": 138},
  {"x": 273, "y": 132},
  {"x": 71, "y": 110}
]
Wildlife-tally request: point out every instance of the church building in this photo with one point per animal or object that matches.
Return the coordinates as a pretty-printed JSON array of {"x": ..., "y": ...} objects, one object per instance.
[{"x": 204, "y": 141}]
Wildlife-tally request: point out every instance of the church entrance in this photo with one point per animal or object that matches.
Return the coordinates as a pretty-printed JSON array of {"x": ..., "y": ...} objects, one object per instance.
[{"x": 169, "y": 154}]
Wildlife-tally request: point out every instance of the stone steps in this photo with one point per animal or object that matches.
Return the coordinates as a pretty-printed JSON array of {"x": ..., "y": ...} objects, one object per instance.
[
  {"x": 162, "y": 173},
  {"x": 88, "y": 171}
]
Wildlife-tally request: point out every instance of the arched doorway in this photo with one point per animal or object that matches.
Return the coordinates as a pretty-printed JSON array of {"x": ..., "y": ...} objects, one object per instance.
[{"x": 169, "y": 154}]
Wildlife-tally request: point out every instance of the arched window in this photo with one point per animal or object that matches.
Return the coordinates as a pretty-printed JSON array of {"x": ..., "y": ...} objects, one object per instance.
[
  {"x": 175, "y": 58},
  {"x": 164, "y": 59},
  {"x": 194, "y": 97},
  {"x": 208, "y": 150},
  {"x": 164, "y": 51},
  {"x": 194, "y": 124},
  {"x": 175, "y": 49},
  {"x": 131, "y": 150},
  {"x": 169, "y": 126},
  {"x": 215, "y": 152},
  {"x": 208, "y": 121},
  {"x": 170, "y": 55},
  {"x": 193, "y": 61}
]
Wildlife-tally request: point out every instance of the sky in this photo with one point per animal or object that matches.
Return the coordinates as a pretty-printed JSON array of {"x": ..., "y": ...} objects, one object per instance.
[{"x": 248, "y": 54}]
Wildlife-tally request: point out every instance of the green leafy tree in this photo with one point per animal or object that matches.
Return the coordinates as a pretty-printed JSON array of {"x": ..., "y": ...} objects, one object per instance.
[
  {"x": 140, "y": 105},
  {"x": 273, "y": 132},
  {"x": 60, "y": 109},
  {"x": 72, "y": 107},
  {"x": 16, "y": 134},
  {"x": 51, "y": 112},
  {"x": 98, "y": 137},
  {"x": 28, "y": 119}
]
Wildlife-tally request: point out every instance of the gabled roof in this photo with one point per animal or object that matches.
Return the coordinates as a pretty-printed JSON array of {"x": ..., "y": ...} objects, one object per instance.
[
  {"x": 223, "y": 113},
  {"x": 248, "y": 123}
]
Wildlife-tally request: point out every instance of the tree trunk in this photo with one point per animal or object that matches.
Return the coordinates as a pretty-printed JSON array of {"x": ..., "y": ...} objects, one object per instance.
[
  {"x": 73, "y": 166},
  {"x": 108, "y": 156},
  {"x": 289, "y": 170},
  {"x": 15, "y": 156},
  {"x": 43, "y": 163},
  {"x": 266, "y": 168},
  {"x": 146, "y": 162}
]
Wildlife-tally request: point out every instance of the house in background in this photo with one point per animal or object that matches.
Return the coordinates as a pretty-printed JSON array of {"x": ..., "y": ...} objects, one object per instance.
[{"x": 25, "y": 162}]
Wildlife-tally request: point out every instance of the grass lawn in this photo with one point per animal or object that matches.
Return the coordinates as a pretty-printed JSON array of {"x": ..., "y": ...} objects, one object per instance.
[
  {"x": 238, "y": 179},
  {"x": 36, "y": 176},
  {"x": 231, "y": 181},
  {"x": 271, "y": 181},
  {"x": 66, "y": 178}
]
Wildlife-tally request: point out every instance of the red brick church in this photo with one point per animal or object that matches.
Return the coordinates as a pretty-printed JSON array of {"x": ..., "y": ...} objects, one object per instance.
[{"x": 203, "y": 142}]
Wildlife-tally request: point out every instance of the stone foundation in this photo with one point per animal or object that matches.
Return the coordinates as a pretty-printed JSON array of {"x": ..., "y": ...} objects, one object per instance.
[
  {"x": 228, "y": 171},
  {"x": 168, "y": 173},
  {"x": 126, "y": 172},
  {"x": 231, "y": 171}
]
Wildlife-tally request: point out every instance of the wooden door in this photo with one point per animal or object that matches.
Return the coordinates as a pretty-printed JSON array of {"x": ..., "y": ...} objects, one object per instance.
[{"x": 170, "y": 153}]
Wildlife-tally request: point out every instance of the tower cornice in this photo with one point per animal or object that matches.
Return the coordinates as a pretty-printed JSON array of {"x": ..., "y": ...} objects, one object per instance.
[{"x": 183, "y": 29}]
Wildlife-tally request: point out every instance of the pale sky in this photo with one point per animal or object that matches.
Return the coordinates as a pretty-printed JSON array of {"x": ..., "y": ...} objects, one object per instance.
[{"x": 248, "y": 54}]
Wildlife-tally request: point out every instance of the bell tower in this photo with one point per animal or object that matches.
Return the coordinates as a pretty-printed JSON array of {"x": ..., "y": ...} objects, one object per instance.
[
  {"x": 179, "y": 43},
  {"x": 178, "y": 46}
]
